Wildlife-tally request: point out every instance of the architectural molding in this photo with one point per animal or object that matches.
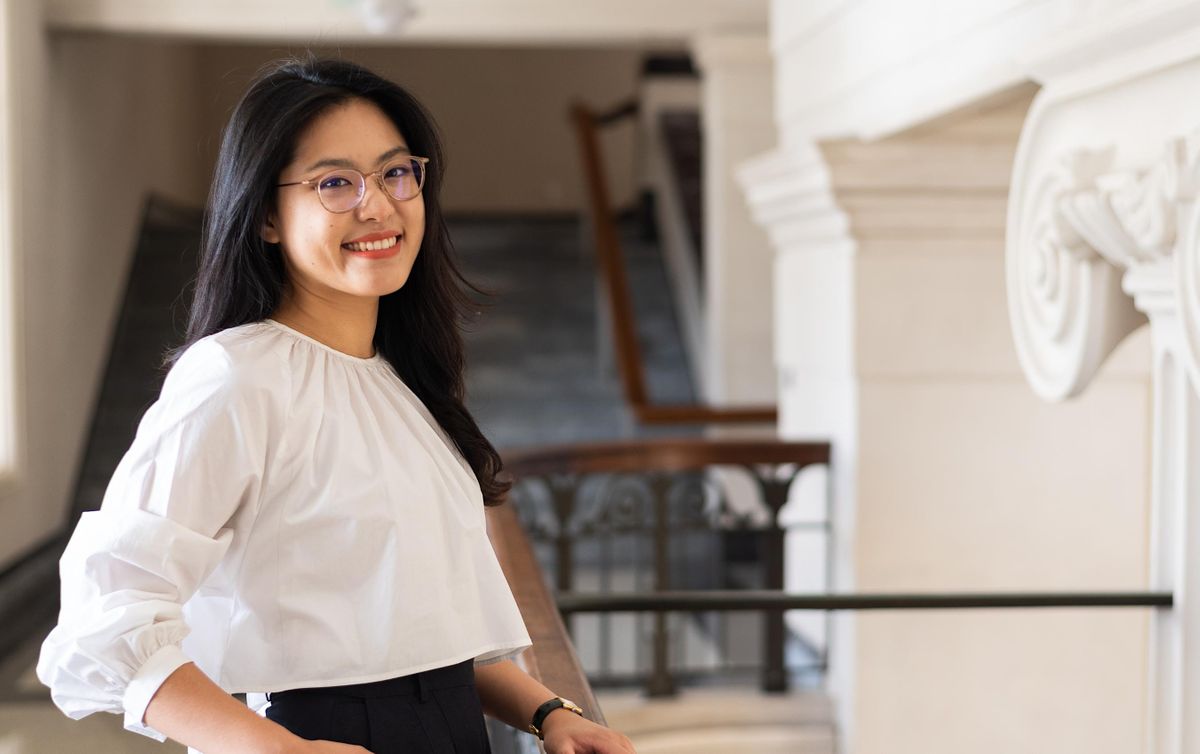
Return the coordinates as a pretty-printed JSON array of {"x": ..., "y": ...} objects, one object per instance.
[
  {"x": 789, "y": 190},
  {"x": 1094, "y": 227},
  {"x": 872, "y": 68},
  {"x": 1066, "y": 304}
]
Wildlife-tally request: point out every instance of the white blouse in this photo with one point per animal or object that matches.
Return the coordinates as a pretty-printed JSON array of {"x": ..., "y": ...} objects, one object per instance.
[{"x": 288, "y": 516}]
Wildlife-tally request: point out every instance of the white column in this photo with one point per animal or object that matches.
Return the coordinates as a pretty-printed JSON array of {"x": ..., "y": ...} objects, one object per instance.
[
  {"x": 792, "y": 195},
  {"x": 738, "y": 122},
  {"x": 1104, "y": 233},
  {"x": 9, "y": 106}
]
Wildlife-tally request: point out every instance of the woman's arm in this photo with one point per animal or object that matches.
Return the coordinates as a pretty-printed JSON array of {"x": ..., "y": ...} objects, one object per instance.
[
  {"x": 194, "y": 711},
  {"x": 510, "y": 695}
]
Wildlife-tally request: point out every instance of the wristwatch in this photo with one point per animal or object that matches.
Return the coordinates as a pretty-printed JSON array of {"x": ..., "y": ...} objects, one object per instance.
[{"x": 539, "y": 717}]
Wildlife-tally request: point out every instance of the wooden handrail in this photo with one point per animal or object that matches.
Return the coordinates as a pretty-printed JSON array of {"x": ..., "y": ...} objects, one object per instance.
[
  {"x": 656, "y": 454},
  {"x": 616, "y": 285},
  {"x": 552, "y": 659}
]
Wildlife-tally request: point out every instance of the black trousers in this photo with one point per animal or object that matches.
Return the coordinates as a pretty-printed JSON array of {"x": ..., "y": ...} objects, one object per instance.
[{"x": 434, "y": 712}]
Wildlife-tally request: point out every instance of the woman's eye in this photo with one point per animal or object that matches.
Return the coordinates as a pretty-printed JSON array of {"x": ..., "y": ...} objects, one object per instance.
[
  {"x": 335, "y": 182},
  {"x": 399, "y": 171}
]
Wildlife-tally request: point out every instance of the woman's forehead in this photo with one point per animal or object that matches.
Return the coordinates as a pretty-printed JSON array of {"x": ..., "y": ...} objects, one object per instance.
[{"x": 356, "y": 131}]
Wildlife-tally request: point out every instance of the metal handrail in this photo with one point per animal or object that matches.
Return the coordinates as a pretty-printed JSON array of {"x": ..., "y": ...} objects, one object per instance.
[{"x": 725, "y": 600}]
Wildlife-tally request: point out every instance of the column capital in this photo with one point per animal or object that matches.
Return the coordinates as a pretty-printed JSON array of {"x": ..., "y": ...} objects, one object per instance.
[
  {"x": 1102, "y": 204},
  {"x": 790, "y": 193}
]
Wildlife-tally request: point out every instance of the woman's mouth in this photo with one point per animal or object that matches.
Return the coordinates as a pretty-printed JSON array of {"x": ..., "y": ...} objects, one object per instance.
[{"x": 367, "y": 246}]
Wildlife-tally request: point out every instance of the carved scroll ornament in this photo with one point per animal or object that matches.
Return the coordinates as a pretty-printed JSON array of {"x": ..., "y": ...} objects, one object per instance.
[{"x": 1092, "y": 251}]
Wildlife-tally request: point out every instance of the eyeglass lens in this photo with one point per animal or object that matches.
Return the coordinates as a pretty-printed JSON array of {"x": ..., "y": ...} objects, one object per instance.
[{"x": 343, "y": 190}]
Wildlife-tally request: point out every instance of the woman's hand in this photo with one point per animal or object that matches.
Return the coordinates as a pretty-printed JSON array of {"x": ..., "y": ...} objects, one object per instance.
[{"x": 568, "y": 733}]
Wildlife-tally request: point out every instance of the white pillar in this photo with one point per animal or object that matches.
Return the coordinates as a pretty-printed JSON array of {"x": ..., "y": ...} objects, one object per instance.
[
  {"x": 738, "y": 122},
  {"x": 1103, "y": 233},
  {"x": 792, "y": 195}
]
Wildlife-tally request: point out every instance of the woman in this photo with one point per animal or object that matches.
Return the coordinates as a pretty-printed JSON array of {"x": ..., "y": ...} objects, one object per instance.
[{"x": 300, "y": 517}]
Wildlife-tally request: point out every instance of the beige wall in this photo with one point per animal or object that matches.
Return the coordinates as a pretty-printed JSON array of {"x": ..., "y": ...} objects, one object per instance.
[
  {"x": 99, "y": 123},
  {"x": 502, "y": 112}
]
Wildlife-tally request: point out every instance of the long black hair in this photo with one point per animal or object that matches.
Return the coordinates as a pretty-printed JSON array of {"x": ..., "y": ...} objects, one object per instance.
[{"x": 242, "y": 279}]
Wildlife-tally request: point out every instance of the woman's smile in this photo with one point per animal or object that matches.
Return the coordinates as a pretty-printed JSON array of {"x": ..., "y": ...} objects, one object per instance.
[{"x": 375, "y": 245}]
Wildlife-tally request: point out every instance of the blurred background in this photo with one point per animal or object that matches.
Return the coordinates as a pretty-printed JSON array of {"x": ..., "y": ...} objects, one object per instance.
[{"x": 789, "y": 300}]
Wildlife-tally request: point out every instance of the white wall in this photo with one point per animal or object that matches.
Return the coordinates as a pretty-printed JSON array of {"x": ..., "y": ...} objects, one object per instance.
[{"x": 99, "y": 123}]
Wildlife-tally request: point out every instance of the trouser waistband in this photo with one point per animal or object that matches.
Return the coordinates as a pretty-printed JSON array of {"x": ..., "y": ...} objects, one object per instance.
[{"x": 416, "y": 684}]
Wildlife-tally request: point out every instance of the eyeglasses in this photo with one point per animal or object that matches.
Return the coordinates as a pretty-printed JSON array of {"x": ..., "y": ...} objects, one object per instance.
[{"x": 343, "y": 190}]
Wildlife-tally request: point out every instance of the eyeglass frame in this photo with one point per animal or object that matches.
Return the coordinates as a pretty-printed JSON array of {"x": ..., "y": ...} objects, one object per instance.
[{"x": 377, "y": 175}]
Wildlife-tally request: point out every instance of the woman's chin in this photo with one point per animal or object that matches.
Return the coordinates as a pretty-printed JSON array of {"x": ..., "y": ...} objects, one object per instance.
[{"x": 383, "y": 287}]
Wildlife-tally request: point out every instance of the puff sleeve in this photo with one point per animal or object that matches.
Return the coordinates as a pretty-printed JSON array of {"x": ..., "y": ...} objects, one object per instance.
[{"x": 164, "y": 526}]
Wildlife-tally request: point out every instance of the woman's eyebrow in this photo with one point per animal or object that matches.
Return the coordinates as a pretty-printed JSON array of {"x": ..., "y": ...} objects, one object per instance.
[{"x": 342, "y": 162}]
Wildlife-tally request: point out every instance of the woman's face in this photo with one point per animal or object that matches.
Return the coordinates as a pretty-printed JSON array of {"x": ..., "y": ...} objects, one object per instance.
[{"x": 321, "y": 266}]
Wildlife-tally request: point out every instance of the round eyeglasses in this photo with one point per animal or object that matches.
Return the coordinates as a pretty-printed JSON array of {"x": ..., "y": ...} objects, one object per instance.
[{"x": 342, "y": 190}]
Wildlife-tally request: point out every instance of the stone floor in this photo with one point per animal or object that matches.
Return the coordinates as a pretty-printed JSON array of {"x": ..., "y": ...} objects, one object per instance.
[
  {"x": 723, "y": 721},
  {"x": 538, "y": 374}
]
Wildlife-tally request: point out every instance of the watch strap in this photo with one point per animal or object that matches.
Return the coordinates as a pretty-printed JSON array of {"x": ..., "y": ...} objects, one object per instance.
[{"x": 539, "y": 716}]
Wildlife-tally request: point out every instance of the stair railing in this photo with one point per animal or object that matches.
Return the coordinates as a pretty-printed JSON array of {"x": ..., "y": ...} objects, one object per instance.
[
  {"x": 552, "y": 659},
  {"x": 570, "y": 511},
  {"x": 658, "y": 490},
  {"x": 611, "y": 265}
]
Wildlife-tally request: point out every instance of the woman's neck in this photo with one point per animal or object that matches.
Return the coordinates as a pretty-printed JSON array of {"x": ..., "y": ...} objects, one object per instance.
[{"x": 349, "y": 329}]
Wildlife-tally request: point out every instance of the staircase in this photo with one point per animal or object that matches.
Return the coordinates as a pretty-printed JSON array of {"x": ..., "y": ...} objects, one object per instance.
[{"x": 153, "y": 318}]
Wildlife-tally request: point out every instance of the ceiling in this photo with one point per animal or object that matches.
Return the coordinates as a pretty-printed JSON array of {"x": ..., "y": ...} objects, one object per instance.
[{"x": 502, "y": 22}]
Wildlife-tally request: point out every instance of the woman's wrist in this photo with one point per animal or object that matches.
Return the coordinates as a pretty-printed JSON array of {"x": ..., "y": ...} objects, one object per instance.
[
  {"x": 556, "y": 718},
  {"x": 276, "y": 739}
]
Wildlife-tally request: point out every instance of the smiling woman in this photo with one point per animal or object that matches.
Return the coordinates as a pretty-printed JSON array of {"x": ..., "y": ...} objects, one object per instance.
[
  {"x": 301, "y": 515},
  {"x": 365, "y": 244}
]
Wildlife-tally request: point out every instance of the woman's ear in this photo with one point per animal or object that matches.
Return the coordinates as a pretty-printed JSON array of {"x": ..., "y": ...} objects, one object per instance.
[{"x": 270, "y": 230}]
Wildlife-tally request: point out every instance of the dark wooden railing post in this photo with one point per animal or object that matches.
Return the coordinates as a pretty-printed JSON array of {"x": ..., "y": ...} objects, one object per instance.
[
  {"x": 774, "y": 672},
  {"x": 562, "y": 487},
  {"x": 660, "y": 682}
]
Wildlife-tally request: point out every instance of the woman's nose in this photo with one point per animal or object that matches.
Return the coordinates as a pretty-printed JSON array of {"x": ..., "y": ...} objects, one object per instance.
[{"x": 376, "y": 203}]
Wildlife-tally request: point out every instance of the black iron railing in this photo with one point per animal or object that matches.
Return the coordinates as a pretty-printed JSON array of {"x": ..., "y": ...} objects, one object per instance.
[{"x": 654, "y": 516}]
